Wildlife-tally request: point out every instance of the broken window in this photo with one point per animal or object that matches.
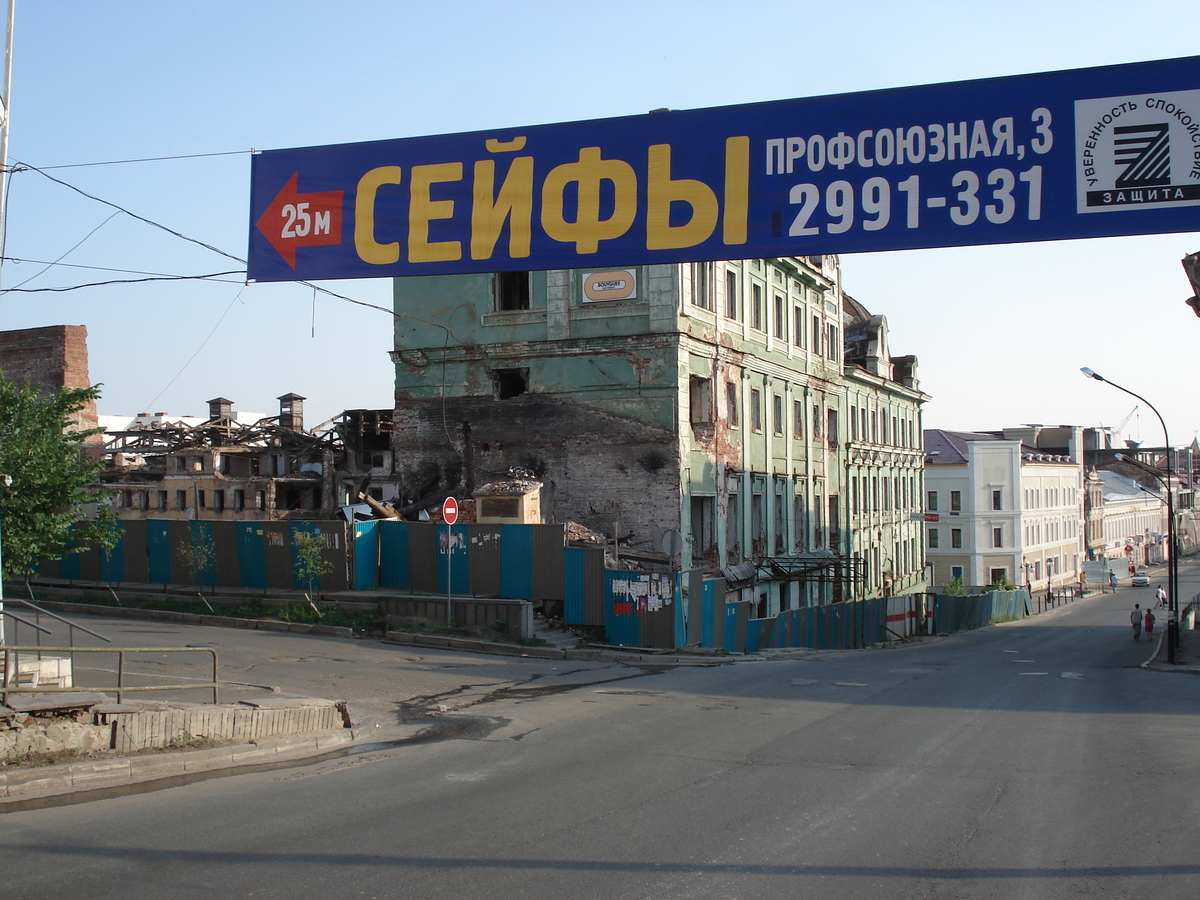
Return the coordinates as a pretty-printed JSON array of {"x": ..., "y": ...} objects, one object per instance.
[
  {"x": 731, "y": 403},
  {"x": 507, "y": 383},
  {"x": 511, "y": 290},
  {"x": 777, "y": 409},
  {"x": 702, "y": 285},
  {"x": 219, "y": 501},
  {"x": 703, "y": 542},
  {"x": 701, "y": 399},
  {"x": 181, "y": 499},
  {"x": 239, "y": 499},
  {"x": 798, "y": 419},
  {"x": 755, "y": 409}
]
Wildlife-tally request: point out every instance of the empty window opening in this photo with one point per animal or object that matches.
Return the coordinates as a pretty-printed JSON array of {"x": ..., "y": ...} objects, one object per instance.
[
  {"x": 509, "y": 383},
  {"x": 512, "y": 291}
]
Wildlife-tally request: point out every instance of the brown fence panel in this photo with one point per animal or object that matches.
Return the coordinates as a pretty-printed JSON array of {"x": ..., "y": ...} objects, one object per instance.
[
  {"x": 483, "y": 545},
  {"x": 422, "y": 558},
  {"x": 549, "y": 541},
  {"x": 135, "y": 558}
]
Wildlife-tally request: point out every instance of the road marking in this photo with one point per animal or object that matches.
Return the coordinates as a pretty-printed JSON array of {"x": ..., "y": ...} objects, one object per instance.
[
  {"x": 1070, "y": 675},
  {"x": 849, "y": 684},
  {"x": 1023, "y": 660},
  {"x": 1033, "y": 673},
  {"x": 803, "y": 682}
]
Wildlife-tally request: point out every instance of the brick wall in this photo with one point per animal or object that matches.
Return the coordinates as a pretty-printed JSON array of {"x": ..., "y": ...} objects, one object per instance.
[{"x": 51, "y": 357}]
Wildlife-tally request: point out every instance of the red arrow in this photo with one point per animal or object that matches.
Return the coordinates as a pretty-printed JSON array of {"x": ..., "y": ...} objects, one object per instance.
[{"x": 301, "y": 220}]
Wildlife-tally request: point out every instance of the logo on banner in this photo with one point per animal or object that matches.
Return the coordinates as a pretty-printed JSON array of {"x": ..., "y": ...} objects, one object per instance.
[{"x": 1137, "y": 152}]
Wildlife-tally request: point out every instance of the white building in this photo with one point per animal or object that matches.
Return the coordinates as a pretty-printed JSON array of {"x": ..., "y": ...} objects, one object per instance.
[
  {"x": 1135, "y": 520},
  {"x": 1000, "y": 511}
]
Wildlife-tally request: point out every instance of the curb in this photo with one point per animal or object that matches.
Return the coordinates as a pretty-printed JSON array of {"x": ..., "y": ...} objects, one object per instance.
[
  {"x": 18, "y": 786},
  {"x": 128, "y": 612}
]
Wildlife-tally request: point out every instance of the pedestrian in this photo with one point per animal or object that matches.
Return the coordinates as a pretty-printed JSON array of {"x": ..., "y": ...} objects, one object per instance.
[
  {"x": 1132, "y": 568},
  {"x": 1149, "y": 624},
  {"x": 1161, "y": 595},
  {"x": 1112, "y": 580},
  {"x": 1135, "y": 619}
]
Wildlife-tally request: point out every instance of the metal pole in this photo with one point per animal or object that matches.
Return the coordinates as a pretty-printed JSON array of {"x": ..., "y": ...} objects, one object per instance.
[
  {"x": 5, "y": 110},
  {"x": 1172, "y": 560}
]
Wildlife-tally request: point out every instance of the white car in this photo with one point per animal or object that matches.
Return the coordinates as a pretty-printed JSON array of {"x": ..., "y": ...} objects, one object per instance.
[{"x": 1141, "y": 578}]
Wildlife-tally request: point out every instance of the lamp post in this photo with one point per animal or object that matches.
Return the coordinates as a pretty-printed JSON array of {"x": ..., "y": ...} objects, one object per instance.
[{"x": 1172, "y": 560}]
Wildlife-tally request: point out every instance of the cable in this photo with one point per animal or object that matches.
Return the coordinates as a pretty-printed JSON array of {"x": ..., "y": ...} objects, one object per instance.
[
  {"x": 121, "y": 162},
  {"x": 63, "y": 265},
  {"x": 50, "y": 266},
  {"x": 203, "y": 343},
  {"x": 132, "y": 214},
  {"x": 77, "y": 287}
]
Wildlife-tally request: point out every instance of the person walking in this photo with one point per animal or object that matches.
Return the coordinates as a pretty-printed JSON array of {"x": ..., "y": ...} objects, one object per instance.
[
  {"x": 1135, "y": 619},
  {"x": 1112, "y": 580},
  {"x": 1149, "y": 624},
  {"x": 1161, "y": 596}
]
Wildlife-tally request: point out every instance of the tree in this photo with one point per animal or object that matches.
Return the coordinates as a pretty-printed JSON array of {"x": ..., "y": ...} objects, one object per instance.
[
  {"x": 44, "y": 510},
  {"x": 307, "y": 564}
]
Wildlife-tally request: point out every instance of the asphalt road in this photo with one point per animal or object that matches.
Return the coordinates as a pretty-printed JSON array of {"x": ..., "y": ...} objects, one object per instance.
[{"x": 1032, "y": 759}]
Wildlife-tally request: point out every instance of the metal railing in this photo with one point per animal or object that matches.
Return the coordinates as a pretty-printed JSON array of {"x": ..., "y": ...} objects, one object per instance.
[{"x": 12, "y": 654}]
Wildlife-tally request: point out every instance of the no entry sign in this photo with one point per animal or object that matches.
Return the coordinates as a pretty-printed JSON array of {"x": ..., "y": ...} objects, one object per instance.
[{"x": 450, "y": 510}]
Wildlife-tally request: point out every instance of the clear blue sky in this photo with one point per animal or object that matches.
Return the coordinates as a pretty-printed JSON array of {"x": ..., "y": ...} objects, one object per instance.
[{"x": 1000, "y": 331}]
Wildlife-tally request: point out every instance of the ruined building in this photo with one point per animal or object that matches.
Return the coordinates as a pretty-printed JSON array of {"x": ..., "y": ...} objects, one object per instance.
[
  {"x": 708, "y": 399},
  {"x": 223, "y": 468}
]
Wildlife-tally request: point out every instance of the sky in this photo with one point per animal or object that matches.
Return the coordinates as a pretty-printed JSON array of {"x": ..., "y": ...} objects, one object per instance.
[{"x": 187, "y": 90}]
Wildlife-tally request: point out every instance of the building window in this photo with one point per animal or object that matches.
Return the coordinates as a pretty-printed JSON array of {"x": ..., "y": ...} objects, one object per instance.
[
  {"x": 181, "y": 499},
  {"x": 956, "y": 572},
  {"x": 702, "y": 285},
  {"x": 701, "y": 400},
  {"x": 162, "y": 499},
  {"x": 832, "y": 430},
  {"x": 956, "y": 538},
  {"x": 260, "y": 499},
  {"x": 755, "y": 409},
  {"x": 798, "y": 326},
  {"x": 933, "y": 538},
  {"x": 956, "y": 501},
  {"x": 731, "y": 403},
  {"x": 508, "y": 383},
  {"x": 997, "y": 537},
  {"x": 703, "y": 541},
  {"x": 239, "y": 499},
  {"x": 780, "y": 318},
  {"x": 931, "y": 501},
  {"x": 777, "y": 409},
  {"x": 815, "y": 335},
  {"x": 816, "y": 423},
  {"x": 798, "y": 419},
  {"x": 756, "y": 321},
  {"x": 219, "y": 501},
  {"x": 511, "y": 290},
  {"x": 996, "y": 500},
  {"x": 731, "y": 298},
  {"x": 832, "y": 349},
  {"x": 854, "y": 423},
  {"x": 201, "y": 500},
  {"x": 999, "y": 576}
]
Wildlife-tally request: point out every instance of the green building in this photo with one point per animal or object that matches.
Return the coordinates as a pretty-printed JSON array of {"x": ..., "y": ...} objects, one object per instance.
[{"x": 702, "y": 398}]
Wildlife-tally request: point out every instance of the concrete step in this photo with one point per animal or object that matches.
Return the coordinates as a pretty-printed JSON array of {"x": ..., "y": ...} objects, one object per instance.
[{"x": 554, "y": 637}]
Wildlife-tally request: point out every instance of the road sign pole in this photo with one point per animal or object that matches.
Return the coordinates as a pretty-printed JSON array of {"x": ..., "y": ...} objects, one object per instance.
[{"x": 450, "y": 515}]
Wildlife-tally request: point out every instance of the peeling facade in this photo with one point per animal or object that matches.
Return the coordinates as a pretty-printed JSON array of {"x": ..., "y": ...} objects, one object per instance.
[
  {"x": 702, "y": 398},
  {"x": 884, "y": 458}
]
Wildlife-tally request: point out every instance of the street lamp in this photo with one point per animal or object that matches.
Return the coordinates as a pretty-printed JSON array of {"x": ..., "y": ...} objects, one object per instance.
[{"x": 1172, "y": 561}]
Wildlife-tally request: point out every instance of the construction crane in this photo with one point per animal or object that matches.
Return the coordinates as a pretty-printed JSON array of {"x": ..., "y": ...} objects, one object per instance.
[{"x": 1121, "y": 427}]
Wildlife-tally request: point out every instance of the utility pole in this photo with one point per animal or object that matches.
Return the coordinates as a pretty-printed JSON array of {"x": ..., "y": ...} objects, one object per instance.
[{"x": 5, "y": 108}]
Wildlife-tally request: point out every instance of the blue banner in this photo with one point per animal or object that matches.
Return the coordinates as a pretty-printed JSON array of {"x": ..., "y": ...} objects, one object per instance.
[{"x": 1073, "y": 154}]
